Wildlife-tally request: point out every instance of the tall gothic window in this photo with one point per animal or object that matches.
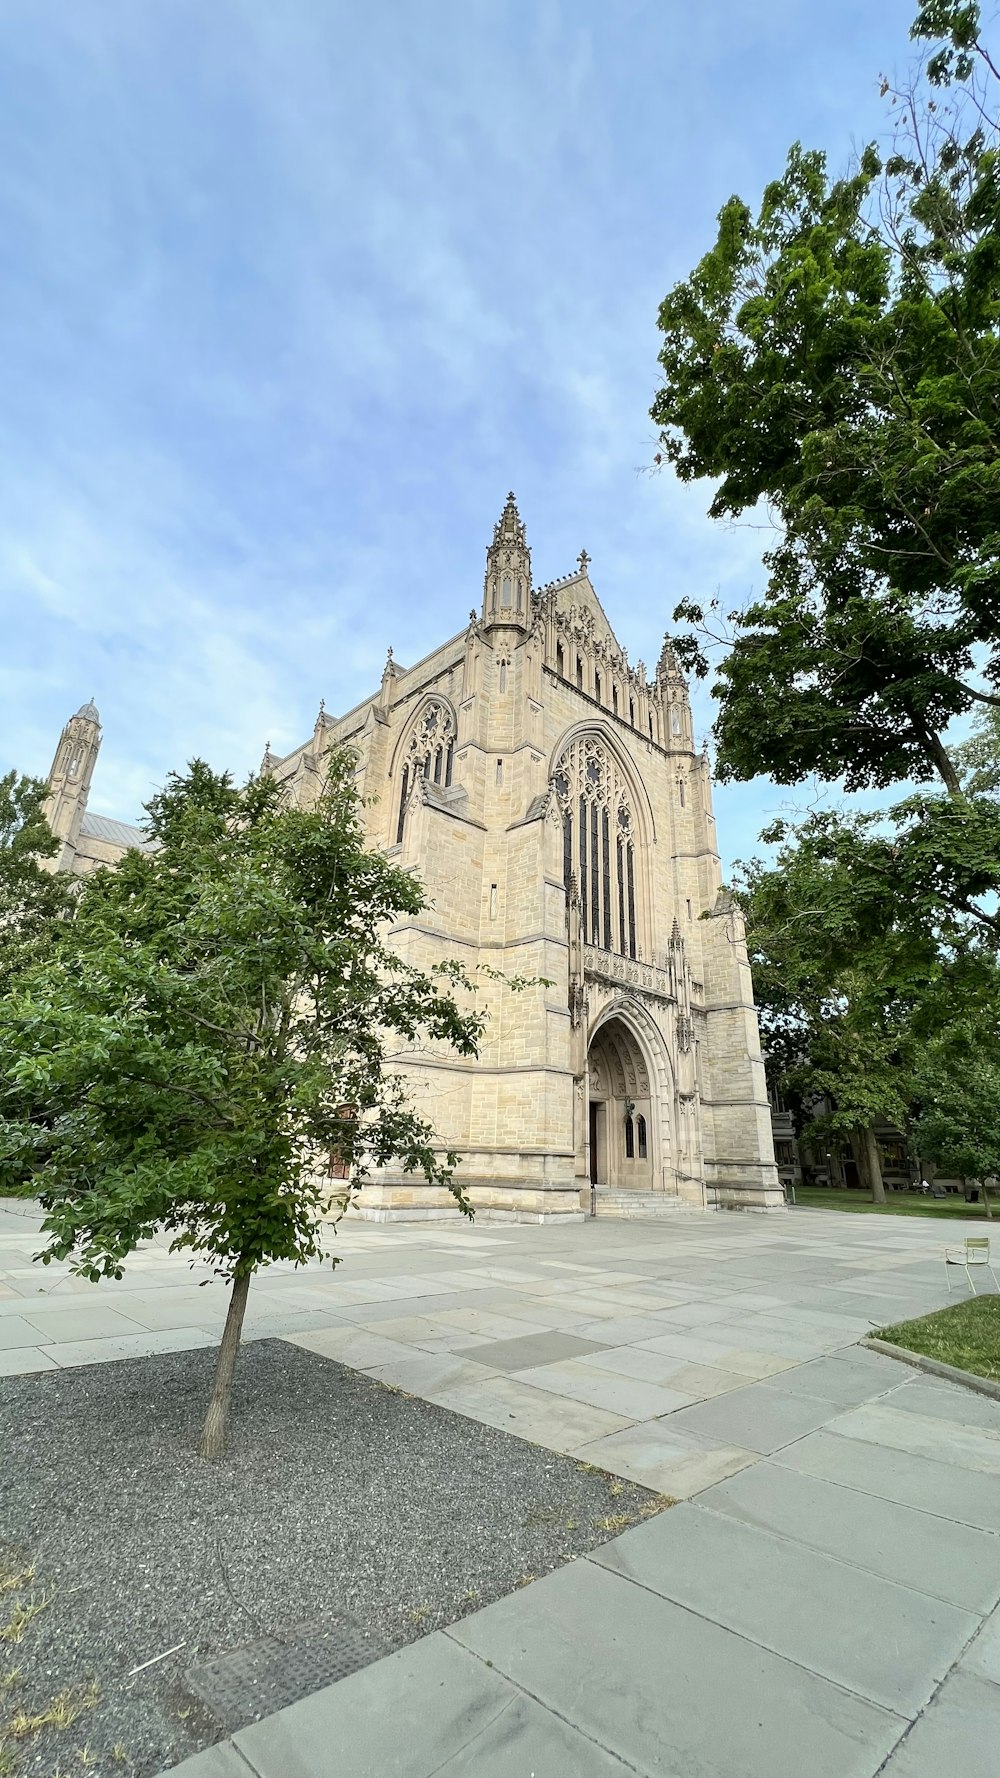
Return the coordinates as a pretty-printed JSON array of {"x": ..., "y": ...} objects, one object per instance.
[
  {"x": 430, "y": 753},
  {"x": 599, "y": 840}
]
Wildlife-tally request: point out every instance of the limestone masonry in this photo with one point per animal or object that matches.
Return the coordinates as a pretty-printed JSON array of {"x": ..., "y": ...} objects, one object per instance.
[{"x": 551, "y": 799}]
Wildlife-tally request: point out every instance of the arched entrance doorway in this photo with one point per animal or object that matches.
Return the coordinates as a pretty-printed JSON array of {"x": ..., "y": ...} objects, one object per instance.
[{"x": 622, "y": 1107}]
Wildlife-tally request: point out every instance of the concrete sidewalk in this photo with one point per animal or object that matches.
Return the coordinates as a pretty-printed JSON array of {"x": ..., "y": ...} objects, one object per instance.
[
  {"x": 822, "y": 1613},
  {"x": 819, "y": 1604}
]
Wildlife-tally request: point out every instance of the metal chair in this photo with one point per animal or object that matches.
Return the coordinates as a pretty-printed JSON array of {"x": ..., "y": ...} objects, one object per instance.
[{"x": 975, "y": 1252}]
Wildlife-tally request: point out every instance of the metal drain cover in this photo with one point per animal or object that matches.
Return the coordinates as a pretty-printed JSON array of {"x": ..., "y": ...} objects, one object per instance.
[{"x": 251, "y": 1682}]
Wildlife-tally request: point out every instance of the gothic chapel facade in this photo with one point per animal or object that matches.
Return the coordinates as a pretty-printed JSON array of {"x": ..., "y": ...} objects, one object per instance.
[{"x": 552, "y": 802}]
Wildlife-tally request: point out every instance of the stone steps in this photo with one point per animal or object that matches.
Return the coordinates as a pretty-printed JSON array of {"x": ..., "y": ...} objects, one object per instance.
[{"x": 638, "y": 1203}]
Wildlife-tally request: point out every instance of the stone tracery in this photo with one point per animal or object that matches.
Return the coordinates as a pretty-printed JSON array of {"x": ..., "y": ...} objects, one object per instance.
[
  {"x": 429, "y": 755},
  {"x": 599, "y": 837}
]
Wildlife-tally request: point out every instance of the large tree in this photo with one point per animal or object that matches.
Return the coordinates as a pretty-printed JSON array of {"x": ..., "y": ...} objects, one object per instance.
[
  {"x": 32, "y": 899},
  {"x": 219, "y": 1022},
  {"x": 835, "y": 361}
]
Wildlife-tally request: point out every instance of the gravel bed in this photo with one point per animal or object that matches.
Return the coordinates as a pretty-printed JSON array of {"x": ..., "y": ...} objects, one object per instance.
[{"x": 337, "y": 1495}]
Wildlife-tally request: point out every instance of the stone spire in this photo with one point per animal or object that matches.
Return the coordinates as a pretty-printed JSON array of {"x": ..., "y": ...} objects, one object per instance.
[
  {"x": 507, "y": 587},
  {"x": 69, "y": 779},
  {"x": 672, "y": 691},
  {"x": 667, "y": 667}
]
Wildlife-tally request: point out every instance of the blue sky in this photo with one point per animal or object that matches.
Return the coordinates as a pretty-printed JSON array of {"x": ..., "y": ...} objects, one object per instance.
[{"x": 291, "y": 294}]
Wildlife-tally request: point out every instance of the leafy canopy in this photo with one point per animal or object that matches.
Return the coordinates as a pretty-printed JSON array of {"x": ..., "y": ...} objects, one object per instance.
[
  {"x": 32, "y": 899},
  {"x": 835, "y": 358}
]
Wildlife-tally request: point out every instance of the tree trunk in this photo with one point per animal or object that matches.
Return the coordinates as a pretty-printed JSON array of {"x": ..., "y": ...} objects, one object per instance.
[
  {"x": 874, "y": 1166},
  {"x": 213, "y": 1433}
]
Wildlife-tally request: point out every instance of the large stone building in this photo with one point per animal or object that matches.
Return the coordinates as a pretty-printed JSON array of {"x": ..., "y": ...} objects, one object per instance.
[{"x": 553, "y": 802}]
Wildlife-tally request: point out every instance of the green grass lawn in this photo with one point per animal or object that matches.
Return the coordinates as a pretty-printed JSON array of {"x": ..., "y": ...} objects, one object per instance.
[
  {"x": 824, "y": 1197},
  {"x": 967, "y": 1335}
]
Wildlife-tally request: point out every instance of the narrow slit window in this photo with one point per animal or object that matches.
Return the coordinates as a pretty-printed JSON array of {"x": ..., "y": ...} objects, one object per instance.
[
  {"x": 560, "y": 661},
  {"x": 614, "y": 699},
  {"x": 631, "y": 711},
  {"x": 641, "y": 1131},
  {"x": 606, "y": 876},
  {"x": 503, "y": 675},
  {"x": 597, "y": 686},
  {"x": 689, "y": 910},
  {"x": 680, "y": 787},
  {"x": 493, "y": 901},
  {"x": 567, "y": 850},
  {"x": 621, "y": 898},
  {"x": 595, "y": 880},
  {"x": 438, "y": 763},
  {"x": 651, "y": 728},
  {"x": 583, "y": 865},
  {"x": 499, "y": 771},
  {"x": 448, "y": 762},
  {"x": 631, "y": 902},
  {"x": 579, "y": 672},
  {"x": 404, "y": 787},
  {"x": 629, "y": 1139}
]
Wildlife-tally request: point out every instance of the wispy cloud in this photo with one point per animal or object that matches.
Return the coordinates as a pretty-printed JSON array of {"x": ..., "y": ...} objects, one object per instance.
[{"x": 292, "y": 294}]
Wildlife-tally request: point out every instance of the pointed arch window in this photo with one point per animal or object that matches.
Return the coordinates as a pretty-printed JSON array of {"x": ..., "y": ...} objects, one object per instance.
[
  {"x": 430, "y": 754},
  {"x": 629, "y": 1139},
  {"x": 599, "y": 839},
  {"x": 641, "y": 1132}
]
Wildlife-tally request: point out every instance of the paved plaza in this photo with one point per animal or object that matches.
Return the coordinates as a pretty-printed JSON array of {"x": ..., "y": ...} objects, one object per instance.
[{"x": 820, "y": 1600}]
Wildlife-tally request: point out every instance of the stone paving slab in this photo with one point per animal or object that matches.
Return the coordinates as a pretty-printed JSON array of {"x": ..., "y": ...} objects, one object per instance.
[
  {"x": 982, "y": 1657},
  {"x": 535, "y": 1349},
  {"x": 669, "y": 1691},
  {"x": 929, "y": 1554},
  {"x": 942, "y": 1401},
  {"x": 840, "y": 1378},
  {"x": 956, "y": 1737},
  {"x": 666, "y": 1459},
  {"x": 602, "y": 1389},
  {"x": 944, "y": 1490},
  {"x": 761, "y": 1418},
  {"x": 924, "y": 1435},
  {"x": 434, "y": 1709},
  {"x": 880, "y": 1640}
]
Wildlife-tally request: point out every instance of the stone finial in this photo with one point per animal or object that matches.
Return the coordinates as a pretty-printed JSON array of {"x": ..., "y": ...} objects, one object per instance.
[
  {"x": 507, "y": 585},
  {"x": 583, "y": 561},
  {"x": 667, "y": 667}
]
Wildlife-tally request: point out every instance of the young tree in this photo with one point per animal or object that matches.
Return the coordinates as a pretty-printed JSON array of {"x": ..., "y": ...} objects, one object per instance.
[
  {"x": 221, "y": 1021},
  {"x": 32, "y": 899},
  {"x": 836, "y": 358}
]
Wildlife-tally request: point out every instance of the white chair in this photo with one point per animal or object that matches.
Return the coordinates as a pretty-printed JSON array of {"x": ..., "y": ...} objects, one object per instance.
[{"x": 975, "y": 1252}]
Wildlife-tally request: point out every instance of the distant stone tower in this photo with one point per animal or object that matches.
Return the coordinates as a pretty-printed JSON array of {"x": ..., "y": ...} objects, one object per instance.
[
  {"x": 85, "y": 841},
  {"x": 69, "y": 781}
]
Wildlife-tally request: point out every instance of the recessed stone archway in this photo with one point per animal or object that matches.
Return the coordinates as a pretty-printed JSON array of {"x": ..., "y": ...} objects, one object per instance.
[{"x": 630, "y": 1116}]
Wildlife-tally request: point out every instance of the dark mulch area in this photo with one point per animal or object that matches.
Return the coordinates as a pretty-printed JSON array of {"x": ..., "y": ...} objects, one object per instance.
[{"x": 337, "y": 1496}]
